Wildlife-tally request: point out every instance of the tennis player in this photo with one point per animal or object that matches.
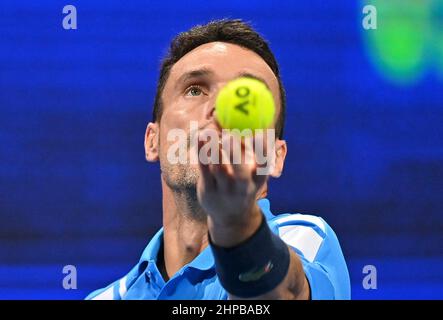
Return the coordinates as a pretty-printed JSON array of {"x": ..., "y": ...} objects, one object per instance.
[{"x": 220, "y": 239}]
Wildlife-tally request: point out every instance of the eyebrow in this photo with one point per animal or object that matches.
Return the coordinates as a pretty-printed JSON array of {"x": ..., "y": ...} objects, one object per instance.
[
  {"x": 199, "y": 73},
  {"x": 250, "y": 75},
  {"x": 205, "y": 72}
]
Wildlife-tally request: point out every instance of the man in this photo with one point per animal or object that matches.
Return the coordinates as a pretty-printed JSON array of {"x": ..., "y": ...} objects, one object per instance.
[{"x": 219, "y": 238}]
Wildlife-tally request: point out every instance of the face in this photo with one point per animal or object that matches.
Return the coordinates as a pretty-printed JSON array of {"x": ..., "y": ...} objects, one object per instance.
[{"x": 189, "y": 95}]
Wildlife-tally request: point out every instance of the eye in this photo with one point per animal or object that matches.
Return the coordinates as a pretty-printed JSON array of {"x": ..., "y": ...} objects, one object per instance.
[{"x": 194, "y": 91}]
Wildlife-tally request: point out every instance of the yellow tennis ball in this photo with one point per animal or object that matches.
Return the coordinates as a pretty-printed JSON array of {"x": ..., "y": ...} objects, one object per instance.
[{"x": 245, "y": 103}]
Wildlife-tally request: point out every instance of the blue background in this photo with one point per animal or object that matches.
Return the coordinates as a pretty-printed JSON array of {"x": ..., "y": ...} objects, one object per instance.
[{"x": 364, "y": 153}]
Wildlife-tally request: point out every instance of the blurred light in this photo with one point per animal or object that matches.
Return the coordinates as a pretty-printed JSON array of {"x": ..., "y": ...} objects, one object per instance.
[{"x": 408, "y": 41}]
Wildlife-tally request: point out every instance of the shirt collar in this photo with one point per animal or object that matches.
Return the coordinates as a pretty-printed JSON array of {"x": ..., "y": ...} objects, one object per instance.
[
  {"x": 151, "y": 251},
  {"x": 265, "y": 207},
  {"x": 205, "y": 260}
]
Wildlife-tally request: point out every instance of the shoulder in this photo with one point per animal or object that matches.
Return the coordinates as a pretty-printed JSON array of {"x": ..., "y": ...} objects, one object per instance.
[
  {"x": 117, "y": 289},
  {"x": 318, "y": 247}
]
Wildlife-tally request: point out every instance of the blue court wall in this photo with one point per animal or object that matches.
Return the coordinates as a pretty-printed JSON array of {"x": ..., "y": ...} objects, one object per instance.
[{"x": 363, "y": 127}]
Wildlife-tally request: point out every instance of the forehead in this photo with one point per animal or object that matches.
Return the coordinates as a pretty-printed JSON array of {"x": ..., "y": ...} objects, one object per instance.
[{"x": 226, "y": 61}]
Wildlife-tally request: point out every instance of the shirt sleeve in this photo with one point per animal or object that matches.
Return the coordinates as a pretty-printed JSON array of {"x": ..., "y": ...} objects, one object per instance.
[
  {"x": 319, "y": 250},
  {"x": 108, "y": 293},
  {"x": 116, "y": 290}
]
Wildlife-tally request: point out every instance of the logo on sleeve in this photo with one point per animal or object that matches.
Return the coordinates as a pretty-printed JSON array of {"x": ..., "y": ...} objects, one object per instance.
[{"x": 256, "y": 273}]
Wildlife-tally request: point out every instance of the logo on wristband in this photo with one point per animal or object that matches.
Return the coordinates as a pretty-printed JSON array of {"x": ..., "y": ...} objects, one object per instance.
[{"x": 256, "y": 273}]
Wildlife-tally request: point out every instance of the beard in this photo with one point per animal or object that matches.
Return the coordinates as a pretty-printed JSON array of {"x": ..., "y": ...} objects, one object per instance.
[
  {"x": 182, "y": 180},
  {"x": 179, "y": 176}
]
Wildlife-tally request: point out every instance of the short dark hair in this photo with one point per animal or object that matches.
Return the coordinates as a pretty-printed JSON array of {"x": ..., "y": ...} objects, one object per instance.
[{"x": 233, "y": 31}]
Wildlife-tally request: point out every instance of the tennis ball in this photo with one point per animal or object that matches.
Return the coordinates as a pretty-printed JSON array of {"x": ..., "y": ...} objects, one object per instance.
[{"x": 245, "y": 103}]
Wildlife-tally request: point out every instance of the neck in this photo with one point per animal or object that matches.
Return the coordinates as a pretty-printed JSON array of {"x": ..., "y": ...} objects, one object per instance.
[{"x": 185, "y": 229}]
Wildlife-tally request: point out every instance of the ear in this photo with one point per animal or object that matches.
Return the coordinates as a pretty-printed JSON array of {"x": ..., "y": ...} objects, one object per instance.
[
  {"x": 152, "y": 142},
  {"x": 280, "y": 156}
]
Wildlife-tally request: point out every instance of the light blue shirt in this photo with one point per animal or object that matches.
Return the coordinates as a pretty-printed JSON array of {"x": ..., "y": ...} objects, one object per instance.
[{"x": 309, "y": 236}]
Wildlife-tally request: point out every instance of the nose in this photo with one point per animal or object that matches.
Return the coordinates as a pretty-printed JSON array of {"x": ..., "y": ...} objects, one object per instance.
[{"x": 210, "y": 109}]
